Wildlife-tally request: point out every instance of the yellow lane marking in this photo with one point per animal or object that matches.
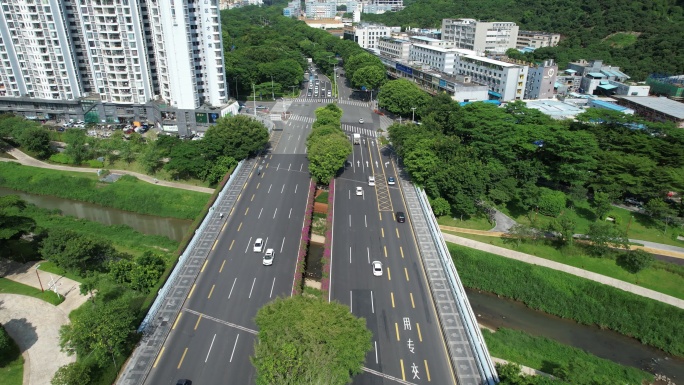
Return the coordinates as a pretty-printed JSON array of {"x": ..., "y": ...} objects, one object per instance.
[
  {"x": 204, "y": 265},
  {"x": 420, "y": 336},
  {"x": 221, "y": 269},
  {"x": 392, "y": 295},
  {"x": 267, "y": 164},
  {"x": 396, "y": 328},
  {"x": 258, "y": 184},
  {"x": 398, "y": 236},
  {"x": 403, "y": 376},
  {"x": 158, "y": 357},
  {"x": 383, "y": 232},
  {"x": 182, "y": 358},
  {"x": 412, "y": 303},
  {"x": 239, "y": 227},
  {"x": 246, "y": 211},
  {"x": 252, "y": 200},
  {"x": 214, "y": 245},
  {"x": 231, "y": 211},
  {"x": 406, "y": 272},
  {"x": 427, "y": 370},
  {"x": 380, "y": 214},
  {"x": 191, "y": 291},
  {"x": 231, "y": 245},
  {"x": 385, "y": 248},
  {"x": 211, "y": 291},
  {"x": 389, "y": 276},
  {"x": 177, "y": 319},
  {"x": 262, "y": 175},
  {"x": 197, "y": 323},
  {"x": 401, "y": 251},
  {"x": 239, "y": 195},
  {"x": 224, "y": 225}
]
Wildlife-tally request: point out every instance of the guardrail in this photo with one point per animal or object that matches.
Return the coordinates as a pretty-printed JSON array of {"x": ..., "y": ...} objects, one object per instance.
[
  {"x": 161, "y": 295},
  {"x": 483, "y": 359}
]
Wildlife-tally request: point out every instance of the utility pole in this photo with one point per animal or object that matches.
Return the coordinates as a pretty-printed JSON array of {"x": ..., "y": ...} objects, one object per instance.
[
  {"x": 41, "y": 283},
  {"x": 413, "y": 112},
  {"x": 293, "y": 87},
  {"x": 236, "y": 89},
  {"x": 254, "y": 92}
]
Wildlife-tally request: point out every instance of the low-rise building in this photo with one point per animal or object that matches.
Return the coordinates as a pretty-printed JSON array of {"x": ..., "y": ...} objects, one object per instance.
[
  {"x": 320, "y": 10},
  {"x": 441, "y": 59},
  {"x": 431, "y": 41},
  {"x": 609, "y": 105},
  {"x": 536, "y": 39},
  {"x": 394, "y": 47},
  {"x": 659, "y": 109},
  {"x": 670, "y": 86},
  {"x": 506, "y": 81},
  {"x": 293, "y": 9},
  {"x": 480, "y": 36},
  {"x": 568, "y": 81},
  {"x": 541, "y": 78},
  {"x": 594, "y": 67},
  {"x": 556, "y": 109},
  {"x": 368, "y": 35}
]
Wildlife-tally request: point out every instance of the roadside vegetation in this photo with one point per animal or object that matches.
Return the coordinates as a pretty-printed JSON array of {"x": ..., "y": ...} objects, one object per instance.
[
  {"x": 564, "y": 295},
  {"x": 10, "y": 287},
  {"x": 230, "y": 140},
  {"x": 11, "y": 360},
  {"x": 569, "y": 364},
  {"x": 119, "y": 268},
  {"x": 660, "y": 276}
]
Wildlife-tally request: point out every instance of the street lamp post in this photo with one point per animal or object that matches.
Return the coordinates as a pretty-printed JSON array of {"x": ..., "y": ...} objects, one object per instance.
[
  {"x": 254, "y": 92},
  {"x": 236, "y": 89},
  {"x": 413, "y": 114},
  {"x": 293, "y": 87},
  {"x": 41, "y": 283},
  {"x": 272, "y": 94}
]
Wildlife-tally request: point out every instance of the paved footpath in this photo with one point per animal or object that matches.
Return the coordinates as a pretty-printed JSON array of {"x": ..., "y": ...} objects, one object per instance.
[
  {"x": 28, "y": 161},
  {"x": 622, "y": 285},
  {"x": 34, "y": 324}
]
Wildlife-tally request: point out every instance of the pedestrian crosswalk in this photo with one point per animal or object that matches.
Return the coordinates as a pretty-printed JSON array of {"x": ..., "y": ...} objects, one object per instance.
[
  {"x": 346, "y": 127},
  {"x": 333, "y": 100}
]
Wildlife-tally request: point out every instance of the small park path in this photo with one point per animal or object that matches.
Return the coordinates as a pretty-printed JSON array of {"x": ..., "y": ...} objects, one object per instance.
[
  {"x": 622, "y": 285},
  {"x": 34, "y": 324},
  {"x": 29, "y": 161}
]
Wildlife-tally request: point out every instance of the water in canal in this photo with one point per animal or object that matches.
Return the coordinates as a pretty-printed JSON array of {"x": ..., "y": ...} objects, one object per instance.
[
  {"x": 147, "y": 224},
  {"x": 494, "y": 312}
]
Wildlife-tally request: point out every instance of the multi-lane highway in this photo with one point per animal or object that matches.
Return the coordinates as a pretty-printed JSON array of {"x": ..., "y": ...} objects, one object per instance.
[
  {"x": 211, "y": 340},
  {"x": 213, "y": 337}
]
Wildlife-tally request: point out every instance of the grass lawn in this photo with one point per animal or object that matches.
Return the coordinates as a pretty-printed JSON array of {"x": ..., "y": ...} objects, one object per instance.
[
  {"x": 641, "y": 226},
  {"x": 11, "y": 287},
  {"x": 655, "y": 279},
  {"x": 476, "y": 223},
  {"x": 544, "y": 354},
  {"x": 12, "y": 367},
  {"x": 50, "y": 267},
  {"x": 322, "y": 197}
]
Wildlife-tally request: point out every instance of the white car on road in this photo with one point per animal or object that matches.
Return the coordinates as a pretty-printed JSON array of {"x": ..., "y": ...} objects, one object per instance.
[
  {"x": 258, "y": 245},
  {"x": 377, "y": 268},
  {"x": 268, "y": 257},
  {"x": 359, "y": 191}
]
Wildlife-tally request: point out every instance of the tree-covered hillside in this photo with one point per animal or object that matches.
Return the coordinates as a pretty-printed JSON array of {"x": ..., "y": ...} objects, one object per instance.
[{"x": 587, "y": 26}]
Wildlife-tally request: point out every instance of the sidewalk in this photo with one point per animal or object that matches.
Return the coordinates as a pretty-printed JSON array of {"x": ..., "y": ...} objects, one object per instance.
[
  {"x": 34, "y": 324},
  {"x": 527, "y": 258},
  {"x": 28, "y": 161}
]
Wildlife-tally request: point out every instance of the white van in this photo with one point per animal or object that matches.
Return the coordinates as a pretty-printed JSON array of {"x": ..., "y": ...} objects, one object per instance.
[{"x": 371, "y": 180}]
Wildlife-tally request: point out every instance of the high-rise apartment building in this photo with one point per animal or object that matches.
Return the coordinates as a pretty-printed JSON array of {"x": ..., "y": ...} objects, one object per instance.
[
  {"x": 122, "y": 52},
  {"x": 480, "y": 36}
]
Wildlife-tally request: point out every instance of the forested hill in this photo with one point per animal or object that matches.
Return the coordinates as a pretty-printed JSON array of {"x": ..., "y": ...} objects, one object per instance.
[{"x": 641, "y": 36}]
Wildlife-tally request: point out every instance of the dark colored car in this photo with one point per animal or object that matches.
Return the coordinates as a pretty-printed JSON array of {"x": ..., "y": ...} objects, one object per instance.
[
  {"x": 401, "y": 217},
  {"x": 184, "y": 382}
]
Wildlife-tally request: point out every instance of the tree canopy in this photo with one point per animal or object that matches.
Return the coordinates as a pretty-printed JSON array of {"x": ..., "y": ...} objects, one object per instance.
[
  {"x": 305, "y": 340},
  {"x": 327, "y": 145}
]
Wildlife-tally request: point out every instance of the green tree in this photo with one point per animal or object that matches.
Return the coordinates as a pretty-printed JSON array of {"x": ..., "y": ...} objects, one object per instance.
[
  {"x": 520, "y": 233},
  {"x": 636, "y": 260},
  {"x": 150, "y": 159},
  {"x": 361, "y": 60},
  {"x": 75, "y": 373},
  {"x": 327, "y": 155},
  {"x": 37, "y": 140},
  {"x": 564, "y": 226},
  {"x": 371, "y": 77},
  {"x": 305, "y": 340},
  {"x": 605, "y": 235},
  {"x": 400, "y": 96},
  {"x": 551, "y": 202},
  {"x": 234, "y": 136},
  {"x": 187, "y": 160},
  {"x": 658, "y": 209},
  {"x": 220, "y": 168},
  {"x": 77, "y": 145},
  {"x": 101, "y": 330},
  {"x": 601, "y": 204},
  {"x": 75, "y": 252},
  {"x": 12, "y": 223},
  {"x": 440, "y": 206},
  {"x": 6, "y": 344}
]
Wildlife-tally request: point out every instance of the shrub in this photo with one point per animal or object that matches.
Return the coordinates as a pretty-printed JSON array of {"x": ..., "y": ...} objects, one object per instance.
[
  {"x": 94, "y": 163},
  {"x": 60, "y": 158},
  {"x": 551, "y": 202}
]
